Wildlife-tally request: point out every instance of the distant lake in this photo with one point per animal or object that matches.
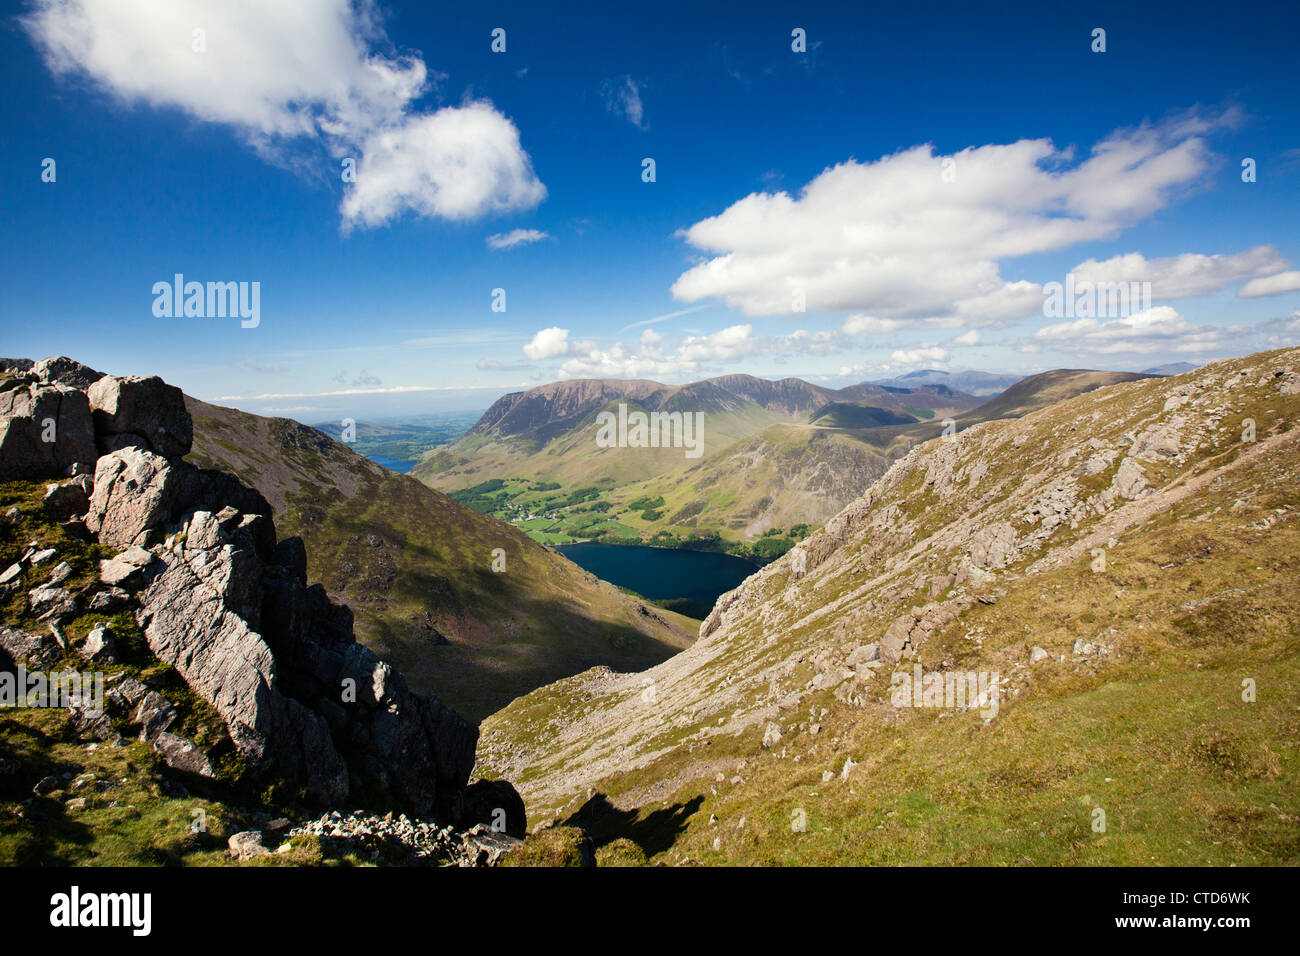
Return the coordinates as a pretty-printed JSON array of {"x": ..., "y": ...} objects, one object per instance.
[
  {"x": 392, "y": 464},
  {"x": 661, "y": 573}
]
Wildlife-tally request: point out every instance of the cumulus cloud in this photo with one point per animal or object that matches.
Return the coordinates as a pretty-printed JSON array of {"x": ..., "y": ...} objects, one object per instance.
[
  {"x": 1190, "y": 274},
  {"x": 623, "y": 98},
  {"x": 926, "y": 355},
  {"x": 869, "y": 325},
  {"x": 1161, "y": 329},
  {"x": 1270, "y": 285},
  {"x": 897, "y": 239},
  {"x": 516, "y": 237},
  {"x": 548, "y": 343},
  {"x": 293, "y": 80}
]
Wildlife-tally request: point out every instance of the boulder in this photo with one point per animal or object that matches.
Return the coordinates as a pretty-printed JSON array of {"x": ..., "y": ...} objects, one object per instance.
[
  {"x": 99, "y": 645},
  {"x": 36, "y": 651},
  {"x": 864, "y": 654},
  {"x": 143, "y": 410},
  {"x": 994, "y": 546},
  {"x": 181, "y": 754},
  {"x": 105, "y": 602},
  {"x": 45, "y": 430},
  {"x": 135, "y": 492},
  {"x": 62, "y": 571},
  {"x": 247, "y": 845},
  {"x": 154, "y": 715},
  {"x": 1130, "y": 479},
  {"x": 52, "y": 603},
  {"x": 61, "y": 370},
  {"x": 125, "y": 567}
]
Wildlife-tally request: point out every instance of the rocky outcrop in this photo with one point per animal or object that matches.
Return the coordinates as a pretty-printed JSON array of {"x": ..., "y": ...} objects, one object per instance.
[
  {"x": 45, "y": 430},
  {"x": 222, "y": 602},
  {"x": 141, "y": 411}
]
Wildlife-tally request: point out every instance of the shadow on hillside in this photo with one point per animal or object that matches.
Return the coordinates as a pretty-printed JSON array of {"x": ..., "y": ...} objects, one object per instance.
[
  {"x": 517, "y": 639},
  {"x": 655, "y": 832}
]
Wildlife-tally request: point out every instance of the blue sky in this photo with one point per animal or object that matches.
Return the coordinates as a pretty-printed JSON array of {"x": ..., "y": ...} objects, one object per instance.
[{"x": 778, "y": 174}]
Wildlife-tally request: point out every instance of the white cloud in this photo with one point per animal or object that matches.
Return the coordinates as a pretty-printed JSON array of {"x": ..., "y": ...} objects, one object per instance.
[
  {"x": 869, "y": 325},
  {"x": 294, "y": 80},
  {"x": 893, "y": 239},
  {"x": 623, "y": 98},
  {"x": 967, "y": 339},
  {"x": 515, "y": 237},
  {"x": 689, "y": 354},
  {"x": 1189, "y": 274},
  {"x": 925, "y": 355},
  {"x": 1160, "y": 329},
  {"x": 548, "y": 343},
  {"x": 1270, "y": 285}
]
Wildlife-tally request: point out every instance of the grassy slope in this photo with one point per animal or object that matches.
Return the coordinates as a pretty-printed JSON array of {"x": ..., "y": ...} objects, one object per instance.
[
  {"x": 396, "y": 551},
  {"x": 1199, "y": 594}
]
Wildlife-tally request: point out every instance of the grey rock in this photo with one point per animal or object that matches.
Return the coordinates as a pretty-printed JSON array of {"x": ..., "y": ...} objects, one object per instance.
[
  {"x": 247, "y": 845},
  {"x": 61, "y": 370},
  {"x": 181, "y": 754},
  {"x": 135, "y": 491},
  {"x": 864, "y": 654},
  {"x": 154, "y": 715},
  {"x": 44, "y": 430},
  {"x": 104, "y": 602},
  {"x": 36, "y": 651},
  {"x": 1130, "y": 479},
  {"x": 99, "y": 645},
  {"x": 143, "y": 408},
  {"x": 52, "y": 603},
  {"x": 994, "y": 546}
]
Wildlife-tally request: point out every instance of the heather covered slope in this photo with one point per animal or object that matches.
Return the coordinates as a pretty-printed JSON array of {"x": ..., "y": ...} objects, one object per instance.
[
  {"x": 416, "y": 569},
  {"x": 1121, "y": 684}
]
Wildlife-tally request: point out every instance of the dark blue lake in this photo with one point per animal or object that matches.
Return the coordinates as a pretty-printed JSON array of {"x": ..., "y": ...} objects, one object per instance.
[
  {"x": 392, "y": 464},
  {"x": 661, "y": 573}
]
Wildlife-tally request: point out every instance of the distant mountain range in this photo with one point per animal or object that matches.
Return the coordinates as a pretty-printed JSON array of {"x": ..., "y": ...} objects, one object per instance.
[
  {"x": 971, "y": 382},
  {"x": 780, "y": 457},
  {"x": 1171, "y": 368}
]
